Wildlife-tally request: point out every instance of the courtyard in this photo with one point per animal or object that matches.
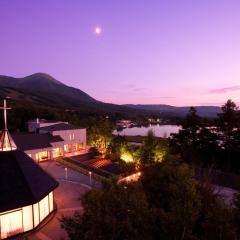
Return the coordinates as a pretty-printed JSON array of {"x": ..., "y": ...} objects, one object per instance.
[{"x": 72, "y": 185}]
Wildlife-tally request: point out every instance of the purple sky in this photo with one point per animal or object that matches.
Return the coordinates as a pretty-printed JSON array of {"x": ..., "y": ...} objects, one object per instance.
[{"x": 160, "y": 52}]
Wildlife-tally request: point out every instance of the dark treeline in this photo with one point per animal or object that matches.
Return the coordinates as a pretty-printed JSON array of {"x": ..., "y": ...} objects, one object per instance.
[
  {"x": 23, "y": 111},
  {"x": 214, "y": 144}
]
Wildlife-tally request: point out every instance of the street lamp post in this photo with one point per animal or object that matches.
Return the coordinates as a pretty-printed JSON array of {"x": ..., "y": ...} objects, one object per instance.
[
  {"x": 66, "y": 173},
  {"x": 90, "y": 177}
]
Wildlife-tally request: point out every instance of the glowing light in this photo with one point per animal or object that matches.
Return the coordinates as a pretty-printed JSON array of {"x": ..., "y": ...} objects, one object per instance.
[
  {"x": 98, "y": 30},
  {"x": 131, "y": 178},
  {"x": 127, "y": 157}
]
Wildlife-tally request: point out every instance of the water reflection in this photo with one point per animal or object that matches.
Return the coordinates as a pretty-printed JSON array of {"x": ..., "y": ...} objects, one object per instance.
[{"x": 159, "y": 130}]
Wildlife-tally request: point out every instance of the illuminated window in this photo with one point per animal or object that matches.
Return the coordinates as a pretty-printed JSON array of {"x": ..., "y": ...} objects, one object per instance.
[
  {"x": 27, "y": 218},
  {"x": 36, "y": 214},
  {"x": 11, "y": 223},
  {"x": 74, "y": 147},
  {"x": 80, "y": 146},
  {"x": 68, "y": 148},
  {"x": 42, "y": 156},
  {"x": 43, "y": 208},
  {"x": 71, "y": 136},
  {"x": 56, "y": 152},
  {"x": 51, "y": 201}
]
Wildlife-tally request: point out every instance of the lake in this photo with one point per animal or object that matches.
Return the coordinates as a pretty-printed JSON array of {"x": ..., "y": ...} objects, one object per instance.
[{"x": 159, "y": 130}]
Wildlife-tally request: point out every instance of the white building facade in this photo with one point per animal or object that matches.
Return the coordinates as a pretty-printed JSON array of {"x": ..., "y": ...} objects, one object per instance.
[{"x": 52, "y": 140}]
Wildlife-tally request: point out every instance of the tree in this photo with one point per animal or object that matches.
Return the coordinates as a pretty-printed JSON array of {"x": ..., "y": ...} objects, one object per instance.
[
  {"x": 116, "y": 146},
  {"x": 186, "y": 141},
  {"x": 228, "y": 119},
  {"x": 100, "y": 133},
  {"x": 218, "y": 224},
  {"x": 191, "y": 126},
  {"x": 210, "y": 143},
  {"x": 228, "y": 122},
  {"x": 113, "y": 212},
  {"x": 216, "y": 219},
  {"x": 172, "y": 193},
  {"x": 152, "y": 150}
]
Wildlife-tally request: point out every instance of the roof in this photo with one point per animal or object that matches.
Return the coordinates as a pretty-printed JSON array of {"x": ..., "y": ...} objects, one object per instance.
[
  {"x": 112, "y": 168},
  {"x": 6, "y": 141},
  {"x": 43, "y": 121},
  {"x": 22, "y": 181},
  {"x": 59, "y": 127},
  {"x": 30, "y": 141}
]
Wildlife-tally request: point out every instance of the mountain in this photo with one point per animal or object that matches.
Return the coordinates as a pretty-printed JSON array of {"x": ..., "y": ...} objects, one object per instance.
[
  {"x": 203, "y": 111},
  {"x": 43, "y": 83},
  {"x": 44, "y": 90}
]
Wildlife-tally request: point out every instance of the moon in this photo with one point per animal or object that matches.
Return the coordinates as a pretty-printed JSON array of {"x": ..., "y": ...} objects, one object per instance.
[{"x": 98, "y": 30}]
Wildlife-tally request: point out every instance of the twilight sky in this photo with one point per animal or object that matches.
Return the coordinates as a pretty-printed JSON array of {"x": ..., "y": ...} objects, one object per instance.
[{"x": 178, "y": 52}]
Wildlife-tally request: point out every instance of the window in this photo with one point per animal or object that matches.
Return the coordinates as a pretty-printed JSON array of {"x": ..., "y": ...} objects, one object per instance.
[
  {"x": 56, "y": 152},
  {"x": 42, "y": 156},
  {"x": 43, "y": 208},
  {"x": 71, "y": 136},
  {"x": 27, "y": 218},
  {"x": 36, "y": 214},
  {"x": 11, "y": 223},
  {"x": 51, "y": 201}
]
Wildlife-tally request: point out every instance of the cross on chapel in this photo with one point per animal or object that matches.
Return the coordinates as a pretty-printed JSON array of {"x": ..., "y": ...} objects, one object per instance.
[
  {"x": 5, "y": 108},
  {"x": 6, "y": 141}
]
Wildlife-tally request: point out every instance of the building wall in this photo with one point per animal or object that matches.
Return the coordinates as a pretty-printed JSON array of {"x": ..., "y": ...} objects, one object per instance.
[
  {"x": 75, "y": 141},
  {"x": 73, "y": 137},
  {"x": 26, "y": 218}
]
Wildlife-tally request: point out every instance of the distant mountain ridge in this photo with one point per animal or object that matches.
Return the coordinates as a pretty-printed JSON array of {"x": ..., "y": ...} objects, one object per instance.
[
  {"x": 204, "y": 111},
  {"x": 43, "y": 89}
]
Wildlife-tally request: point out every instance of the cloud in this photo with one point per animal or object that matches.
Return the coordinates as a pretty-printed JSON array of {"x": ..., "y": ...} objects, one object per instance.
[{"x": 225, "y": 90}]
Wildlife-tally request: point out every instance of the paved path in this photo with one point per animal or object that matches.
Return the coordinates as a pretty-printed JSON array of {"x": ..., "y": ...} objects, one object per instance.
[
  {"x": 227, "y": 194},
  {"x": 67, "y": 197}
]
